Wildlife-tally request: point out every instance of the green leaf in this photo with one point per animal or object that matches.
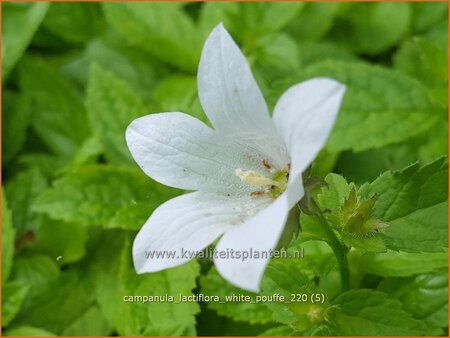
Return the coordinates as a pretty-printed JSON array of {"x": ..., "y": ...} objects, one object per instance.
[
  {"x": 75, "y": 23},
  {"x": 284, "y": 330},
  {"x": 370, "y": 244},
  {"x": 49, "y": 165},
  {"x": 371, "y": 313},
  {"x": 314, "y": 21},
  {"x": 19, "y": 23},
  {"x": 424, "y": 60},
  {"x": 161, "y": 29},
  {"x": 316, "y": 52},
  {"x": 102, "y": 195},
  {"x": 13, "y": 296},
  {"x": 62, "y": 306},
  {"x": 132, "y": 65},
  {"x": 213, "y": 284},
  {"x": 380, "y": 106},
  {"x": 424, "y": 296},
  {"x": 413, "y": 202},
  {"x": 153, "y": 318},
  {"x": 427, "y": 15},
  {"x": 400, "y": 264},
  {"x": 36, "y": 271},
  {"x": 89, "y": 323},
  {"x": 349, "y": 214},
  {"x": 15, "y": 120},
  {"x": 27, "y": 331},
  {"x": 331, "y": 198},
  {"x": 276, "y": 58},
  {"x": 249, "y": 23},
  {"x": 179, "y": 93},
  {"x": 22, "y": 191},
  {"x": 8, "y": 235},
  {"x": 287, "y": 278},
  {"x": 372, "y": 28},
  {"x": 88, "y": 152},
  {"x": 256, "y": 20},
  {"x": 111, "y": 106},
  {"x": 62, "y": 241},
  {"x": 59, "y": 116}
]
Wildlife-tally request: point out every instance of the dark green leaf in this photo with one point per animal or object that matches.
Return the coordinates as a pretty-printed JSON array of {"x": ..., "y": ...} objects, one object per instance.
[{"x": 59, "y": 116}]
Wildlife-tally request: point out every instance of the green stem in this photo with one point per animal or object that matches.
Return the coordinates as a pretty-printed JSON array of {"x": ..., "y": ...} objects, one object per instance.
[{"x": 340, "y": 251}]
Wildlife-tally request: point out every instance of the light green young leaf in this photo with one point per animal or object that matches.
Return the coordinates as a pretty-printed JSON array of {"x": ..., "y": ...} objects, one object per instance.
[
  {"x": 371, "y": 313},
  {"x": 16, "y": 112},
  {"x": 413, "y": 202},
  {"x": 102, "y": 195},
  {"x": 352, "y": 220},
  {"x": 400, "y": 264},
  {"x": 19, "y": 23},
  {"x": 214, "y": 285},
  {"x": 21, "y": 192},
  {"x": 13, "y": 295},
  {"x": 424, "y": 296},
  {"x": 75, "y": 23},
  {"x": 331, "y": 197},
  {"x": 161, "y": 29},
  {"x": 62, "y": 241},
  {"x": 380, "y": 106},
  {"x": 112, "y": 105},
  {"x": 59, "y": 116},
  {"x": 28, "y": 331},
  {"x": 139, "y": 318},
  {"x": 8, "y": 236},
  {"x": 372, "y": 28}
]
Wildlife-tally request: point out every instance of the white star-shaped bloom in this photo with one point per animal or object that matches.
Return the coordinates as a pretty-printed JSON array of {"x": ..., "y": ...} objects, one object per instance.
[{"x": 246, "y": 172}]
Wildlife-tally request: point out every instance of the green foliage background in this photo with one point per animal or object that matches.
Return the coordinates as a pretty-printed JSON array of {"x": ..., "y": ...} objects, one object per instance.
[{"x": 76, "y": 74}]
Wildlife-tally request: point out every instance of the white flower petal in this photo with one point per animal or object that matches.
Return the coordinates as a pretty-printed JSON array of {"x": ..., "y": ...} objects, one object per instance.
[
  {"x": 305, "y": 115},
  {"x": 258, "y": 235},
  {"x": 232, "y": 99},
  {"x": 180, "y": 151},
  {"x": 188, "y": 223}
]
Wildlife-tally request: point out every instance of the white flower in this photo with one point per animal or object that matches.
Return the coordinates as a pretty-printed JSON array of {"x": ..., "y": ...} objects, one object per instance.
[{"x": 246, "y": 172}]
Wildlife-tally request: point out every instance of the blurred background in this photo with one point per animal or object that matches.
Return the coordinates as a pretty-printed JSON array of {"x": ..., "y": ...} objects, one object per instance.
[{"x": 74, "y": 75}]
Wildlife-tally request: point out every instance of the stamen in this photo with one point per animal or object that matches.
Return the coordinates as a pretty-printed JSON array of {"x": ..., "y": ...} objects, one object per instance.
[
  {"x": 266, "y": 164},
  {"x": 254, "y": 178},
  {"x": 260, "y": 192}
]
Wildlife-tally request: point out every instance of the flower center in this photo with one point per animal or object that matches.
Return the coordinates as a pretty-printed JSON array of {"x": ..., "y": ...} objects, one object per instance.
[{"x": 274, "y": 186}]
